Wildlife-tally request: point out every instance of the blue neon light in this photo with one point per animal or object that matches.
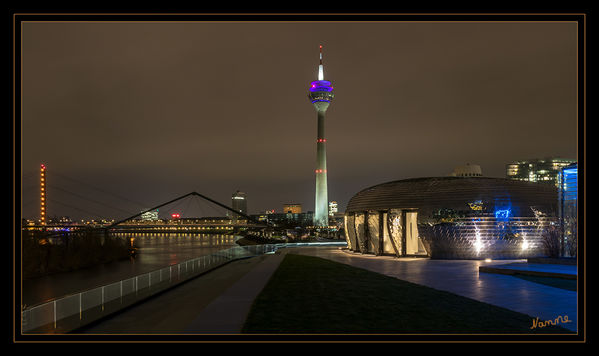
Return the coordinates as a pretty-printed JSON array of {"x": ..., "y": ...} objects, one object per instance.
[
  {"x": 503, "y": 214},
  {"x": 569, "y": 184},
  {"x": 571, "y": 171},
  {"x": 320, "y": 85}
]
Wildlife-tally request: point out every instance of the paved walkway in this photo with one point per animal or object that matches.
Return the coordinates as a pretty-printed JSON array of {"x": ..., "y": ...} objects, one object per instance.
[
  {"x": 176, "y": 309},
  {"x": 462, "y": 277},
  {"x": 227, "y": 313},
  {"x": 219, "y": 302}
]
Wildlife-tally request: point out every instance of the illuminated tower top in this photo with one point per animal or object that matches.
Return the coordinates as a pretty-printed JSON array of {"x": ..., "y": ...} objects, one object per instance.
[{"x": 320, "y": 91}]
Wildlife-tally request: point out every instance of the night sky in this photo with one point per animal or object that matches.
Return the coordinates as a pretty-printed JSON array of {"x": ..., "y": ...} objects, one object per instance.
[{"x": 151, "y": 111}]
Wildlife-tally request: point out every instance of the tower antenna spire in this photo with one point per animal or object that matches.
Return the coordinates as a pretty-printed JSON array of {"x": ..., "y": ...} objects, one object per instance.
[
  {"x": 320, "y": 67},
  {"x": 320, "y": 54}
]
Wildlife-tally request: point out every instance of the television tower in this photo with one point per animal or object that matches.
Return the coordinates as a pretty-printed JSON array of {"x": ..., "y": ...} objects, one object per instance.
[{"x": 321, "y": 94}]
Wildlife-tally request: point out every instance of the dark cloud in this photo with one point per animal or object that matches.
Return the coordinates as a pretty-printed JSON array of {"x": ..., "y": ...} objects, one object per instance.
[{"x": 153, "y": 110}]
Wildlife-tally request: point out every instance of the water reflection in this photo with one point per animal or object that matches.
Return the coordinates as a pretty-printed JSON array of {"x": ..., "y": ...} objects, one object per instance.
[{"x": 153, "y": 251}]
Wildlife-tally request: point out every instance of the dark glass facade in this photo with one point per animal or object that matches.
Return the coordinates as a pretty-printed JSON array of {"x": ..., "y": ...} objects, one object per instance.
[
  {"x": 452, "y": 217},
  {"x": 568, "y": 208}
]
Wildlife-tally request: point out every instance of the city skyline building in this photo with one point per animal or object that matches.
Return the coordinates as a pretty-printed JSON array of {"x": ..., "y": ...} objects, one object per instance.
[
  {"x": 150, "y": 215},
  {"x": 568, "y": 209},
  {"x": 293, "y": 208},
  {"x": 333, "y": 208},
  {"x": 321, "y": 94},
  {"x": 469, "y": 170},
  {"x": 544, "y": 170},
  {"x": 238, "y": 203}
]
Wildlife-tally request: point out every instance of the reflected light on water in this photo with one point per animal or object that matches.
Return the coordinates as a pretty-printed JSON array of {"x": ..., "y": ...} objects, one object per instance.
[{"x": 152, "y": 254}]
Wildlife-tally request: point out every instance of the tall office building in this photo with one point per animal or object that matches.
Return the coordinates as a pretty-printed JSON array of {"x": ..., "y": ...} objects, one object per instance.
[
  {"x": 238, "y": 203},
  {"x": 321, "y": 94},
  {"x": 333, "y": 208},
  {"x": 568, "y": 208},
  {"x": 538, "y": 170}
]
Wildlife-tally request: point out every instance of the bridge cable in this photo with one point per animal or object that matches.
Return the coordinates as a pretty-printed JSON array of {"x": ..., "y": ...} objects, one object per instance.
[
  {"x": 174, "y": 207},
  {"x": 100, "y": 190},
  {"x": 79, "y": 209},
  {"x": 29, "y": 202},
  {"x": 88, "y": 199},
  {"x": 211, "y": 206},
  {"x": 186, "y": 206},
  {"x": 28, "y": 175},
  {"x": 201, "y": 210}
]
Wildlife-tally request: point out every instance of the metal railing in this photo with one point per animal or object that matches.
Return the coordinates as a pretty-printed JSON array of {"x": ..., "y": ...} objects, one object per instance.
[{"x": 72, "y": 311}]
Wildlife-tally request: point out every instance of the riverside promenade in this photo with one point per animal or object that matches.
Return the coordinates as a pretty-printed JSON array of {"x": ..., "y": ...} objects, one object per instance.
[
  {"x": 219, "y": 302},
  {"x": 462, "y": 277}
]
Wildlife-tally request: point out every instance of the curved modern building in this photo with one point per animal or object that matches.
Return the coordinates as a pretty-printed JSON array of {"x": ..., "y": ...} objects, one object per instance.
[{"x": 451, "y": 218}]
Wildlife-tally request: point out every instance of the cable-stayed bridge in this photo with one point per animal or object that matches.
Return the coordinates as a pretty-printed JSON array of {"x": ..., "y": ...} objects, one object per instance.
[{"x": 189, "y": 213}]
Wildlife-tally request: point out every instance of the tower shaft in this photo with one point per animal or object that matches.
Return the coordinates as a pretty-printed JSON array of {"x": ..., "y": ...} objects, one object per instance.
[{"x": 321, "y": 214}]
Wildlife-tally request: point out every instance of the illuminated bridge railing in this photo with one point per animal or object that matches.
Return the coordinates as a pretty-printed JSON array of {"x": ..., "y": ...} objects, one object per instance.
[{"x": 72, "y": 311}]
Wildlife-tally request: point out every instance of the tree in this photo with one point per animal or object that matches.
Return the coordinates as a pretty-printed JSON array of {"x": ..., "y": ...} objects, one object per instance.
[{"x": 551, "y": 241}]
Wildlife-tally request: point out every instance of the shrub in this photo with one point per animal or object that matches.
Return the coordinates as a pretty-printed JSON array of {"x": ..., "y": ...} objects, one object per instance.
[{"x": 551, "y": 238}]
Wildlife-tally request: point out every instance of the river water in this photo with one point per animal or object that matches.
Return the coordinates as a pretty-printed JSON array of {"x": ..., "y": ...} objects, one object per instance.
[{"x": 154, "y": 251}]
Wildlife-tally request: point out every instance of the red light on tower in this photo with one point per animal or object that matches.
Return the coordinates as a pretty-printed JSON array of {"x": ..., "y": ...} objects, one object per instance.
[{"x": 176, "y": 216}]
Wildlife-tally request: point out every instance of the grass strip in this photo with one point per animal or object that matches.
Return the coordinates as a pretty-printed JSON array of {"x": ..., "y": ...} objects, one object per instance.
[{"x": 309, "y": 295}]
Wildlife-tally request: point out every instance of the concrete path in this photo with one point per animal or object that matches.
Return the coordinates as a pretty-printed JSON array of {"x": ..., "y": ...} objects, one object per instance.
[
  {"x": 219, "y": 302},
  {"x": 174, "y": 310},
  {"x": 227, "y": 313},
  {"x": 462, "y": 277}
]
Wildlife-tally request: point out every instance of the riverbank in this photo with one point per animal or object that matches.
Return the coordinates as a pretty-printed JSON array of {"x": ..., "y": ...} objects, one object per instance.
[
  {"x": 44, "y": 255},
  {"x": 258, "y": 240},
  {"x": 153, "y": 253}
]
